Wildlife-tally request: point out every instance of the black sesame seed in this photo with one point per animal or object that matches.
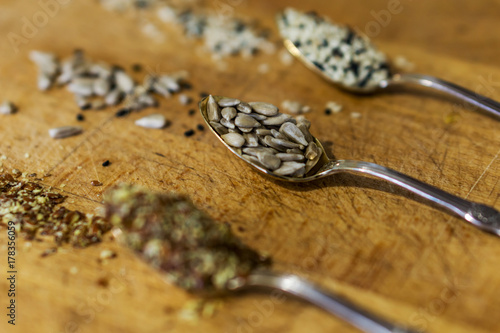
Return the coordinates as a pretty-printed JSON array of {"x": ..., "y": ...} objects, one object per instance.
[
  {"x": 337, "y": 53},
  {"x": 106, "y": 163},
  {"x": 367, "y": 78},
  {"x": 320, "y": 66},
  {"x": 186, "y": 85},
  {"x": 203, "y": 94},
  {"x": 359, "y": 51},
  {"x": 122, "y": 113},
  {"x": 328, "y": 111},
  {"x": 349, "y": 38},
  {"x": 137, "y": 68},
  {"x": 200, "y": 127},
  {"x": 324, "y": 43},
  {"x": 80, "y": 117},
  {"x": 189, "y": 133},
  {"x": 297, "y": 43},
  {"x": 354, "y": 66},
  {"x": 85, "y": 106},
  {"x": 192, "y": 112}
]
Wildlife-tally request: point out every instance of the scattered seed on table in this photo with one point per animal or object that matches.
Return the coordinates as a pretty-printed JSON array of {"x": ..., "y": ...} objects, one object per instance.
[
  {"x": 328, "y": 111},
  {"x": 191, "y": 112},
  {"x": 7, "y": 107},
  {"x": 184, "y": 99},
  {"x": 203, "y": 94},
  {"x": 155, "y": 121},
  {"x": 122, "y": 113},
  {"x": 189, "y": 133},
  {"x": 137, "y": 68},
  {"x": 355, "y": 115},
  {"x": 200, "y": 127},
  {"x": 80, "y": 117},
  {"x": 106, "y": 163},
  {"x": 95, "y": 183},
  {"x": 64, "y": 131},
  {"x": 333, "y": 106}
]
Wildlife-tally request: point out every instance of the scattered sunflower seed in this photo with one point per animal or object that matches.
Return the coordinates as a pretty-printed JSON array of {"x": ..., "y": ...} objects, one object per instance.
[
  {"x": 334, "y": 106},
  {"x": 7, "y": 107},
  {"x": 64, "y": 132},
  {"x": 152, "y": 121}
]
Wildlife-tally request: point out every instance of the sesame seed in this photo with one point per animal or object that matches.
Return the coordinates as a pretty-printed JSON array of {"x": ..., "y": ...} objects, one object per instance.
[
  {"x": 122, "y": 113},
  {"x": 80, "y": 117},
  {"x": 200, "y": 127},
  {"x": 106, "y": 163},
  {"x": 328, "y": 111},
  {"x": 137, "y": 68},
  {"x": 192, "y": 112},
  {"x": 189, "y": 133}
]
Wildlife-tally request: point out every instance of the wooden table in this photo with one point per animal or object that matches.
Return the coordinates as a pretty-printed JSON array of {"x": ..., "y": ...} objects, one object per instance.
[{"x": 379, "y": 246}]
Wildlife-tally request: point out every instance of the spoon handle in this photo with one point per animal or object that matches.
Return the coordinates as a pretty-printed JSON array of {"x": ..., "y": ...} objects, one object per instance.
[
  {"x": 482, "y": 216},
  {"x": 478, "y": 100},
  {"x": 332, "y": 303}
]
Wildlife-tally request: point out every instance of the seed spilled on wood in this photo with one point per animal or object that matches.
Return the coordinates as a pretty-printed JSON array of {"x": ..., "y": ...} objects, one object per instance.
[
  {"x": 65, "y": 131},
  {"x": 7, "y": 107},
  {"x": 155, "y": 121}
]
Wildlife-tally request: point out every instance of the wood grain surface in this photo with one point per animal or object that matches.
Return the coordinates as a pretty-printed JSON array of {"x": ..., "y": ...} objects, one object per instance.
[{"x": 379, "y": 246}]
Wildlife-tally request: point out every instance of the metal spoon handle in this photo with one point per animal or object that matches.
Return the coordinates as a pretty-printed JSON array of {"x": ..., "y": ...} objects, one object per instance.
[
  {"x": 482, "y": 216},
  {"x": 334, "y": 304},
  {"x": 478, "y": 100}
]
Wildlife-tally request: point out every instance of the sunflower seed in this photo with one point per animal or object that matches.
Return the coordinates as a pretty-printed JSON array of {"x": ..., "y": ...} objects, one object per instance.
[
  {"x": 97, "y": 104},
  {"x": 227, "y": 123},
  {"x": 277, "y": 120},
  {"x": 7, "y": 107},
  {"x": 262, "y": 131},
  {"x": 246, "y": 129},
  {"x": 269, "y": 141},
  {"x": 147, "y": 100},
  {"x": 243, "y": 120},
  {"x": 160, "y": 89},
  {"x": 244, "y": 107},
  {"x": 286, "y": 143},
  {"x": 44, "y": 82},
  {"x": 234, "y": 139},
  {"x": 285, "y": 157},
  {"x": 289, "y": 168},
  {"x": 64, "y": 132},
  {"x": 184, "y": 99},
  {"x": 101, "y": 87},
  {"x": 302, "y": 120},
  {"x": 266, "y": 109},
  {"x": 213, "y": 110},
  {"x": 225, "y": 102},
  {"x": 312, "y": 151},
  {"x": 269, "y": 161},
  {"x": 82, "y": 102},
  {"x": 234, "y": 130},
  {"x": 82, "y": 86},
  {"x": 221, "y": 130},
  {"x": 152, "y": 121},
  {"x": 278, "y": 135},
  {"x": 256, "y": 151},
  {"x": 305, "y": 131},
  {"x": 294, "y": 151},
  {"x": 251, "y": 140},
  {"x": 113, "y": 97},
  {"x": 253, "y": 160},
  {"x": 228, "y": 113},
  {"x": 170, "y": 83},
  {"x": 292, "y": 132},
  {"x": 124, "y": 81},
  {"x": 257, "y": 116}
]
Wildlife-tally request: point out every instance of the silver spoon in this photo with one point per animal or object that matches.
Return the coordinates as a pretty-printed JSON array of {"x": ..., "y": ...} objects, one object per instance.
[
  {"x": 484, "y": 217},
  {"x": 306, "y": 291},
  {"x": 332, "y": 303},
  {"x": 398, "y": 79}
]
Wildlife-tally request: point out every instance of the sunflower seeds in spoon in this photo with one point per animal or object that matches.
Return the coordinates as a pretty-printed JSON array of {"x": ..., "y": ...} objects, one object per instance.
[{"x": 263, "y": 136}]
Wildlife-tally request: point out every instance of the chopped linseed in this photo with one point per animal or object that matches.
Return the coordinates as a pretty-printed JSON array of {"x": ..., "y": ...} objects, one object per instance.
[
  {"x": 95, "y": 183},
  {"x": 106, "y": 163},
  {"x": 36, "y": 212},
  {"x": 172, "y": 235}
]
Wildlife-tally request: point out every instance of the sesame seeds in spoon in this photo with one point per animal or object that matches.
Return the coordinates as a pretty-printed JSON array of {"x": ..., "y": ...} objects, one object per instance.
[
  {"x": 353, "y": 63},
  {"x": 273, "y": 145}
]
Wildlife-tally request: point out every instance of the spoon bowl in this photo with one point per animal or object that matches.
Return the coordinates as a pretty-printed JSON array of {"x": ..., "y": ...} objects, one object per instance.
[
  {"x": 484, "y": 103},
  {"x": 483, "y": 217}
]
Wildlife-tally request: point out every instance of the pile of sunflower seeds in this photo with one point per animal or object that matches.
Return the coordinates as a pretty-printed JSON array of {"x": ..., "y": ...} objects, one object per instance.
[
  {"x": 337, "y": 51},
  {"x": 170, "y": 233},
  {"x": 35, "y": 211},
  {"x": 97, "y": 85},
  {"x": 265, "y": 137}
]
